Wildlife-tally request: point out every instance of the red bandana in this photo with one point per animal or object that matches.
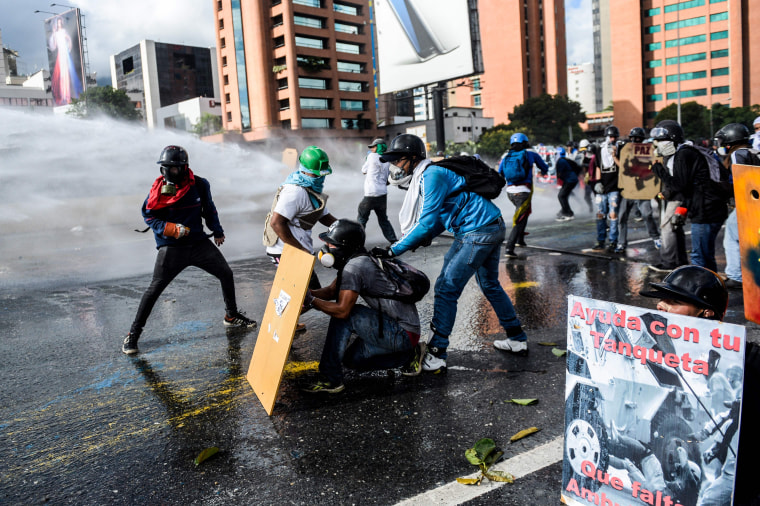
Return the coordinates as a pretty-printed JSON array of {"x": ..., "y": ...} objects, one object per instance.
[{"x": 158, "y": 201}]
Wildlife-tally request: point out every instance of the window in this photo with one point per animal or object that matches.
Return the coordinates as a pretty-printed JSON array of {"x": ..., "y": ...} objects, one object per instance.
[
  {"x": 309, "y": 3},
  {"x": 476, "y": 84},
  {"x": 352, "y": 105},
  {"x": 476, "y": 100},
  {"x": 312, "y": 83},
  {"x": 345, "y": 28},
  {"x": 226, "y": 79},
  {"x": 688, "y": 93},
  {"x": 221, "y": 24},
  {"x": 344, "y": 66},
  {"x": 222, "y": 42},
  {"x": 350, "y": 86},
  {"x": 719, "y": 35},
  {"x": 345, "y": 47},
  {"x": 686, "y": 58},
  {"x": 348, "y": 124},
  {"x": 284, "y": 104},
  {"x": 719, "y": 90},
  {"x": 699, "y": 20},
  {"x": 277, "y": 21},
  {"x": 654, "y": 63},
  {"x": 315, "y": 123},
  {"x": 719, "y": 72},
  {"x": 654, "y": 98},
  {"x": 229, "y": 116},
  {"x": 652, "y": 12},
  {"x": 654, "y": 45},
  {"x": 227, "y": 98},
  {"x": 654, "y": 80},
  {"x": 684, "y": 41},
  {"x": 652, "y": 29},
  {"x": 224, "y": 61},
  {"x": 720, "y": 53},
  {"x": 218, "y": 5},
  {"x": 282, "y": 84},
  {"x": 127, "y": 65},
  {"x": 346, "y": 9},
  {"x": 279, "y": 41},
  {"x": 310, "y": 42},
  {"x": 307, "y": 21},
  {"x": 721, "y": 16},
  {"x": 286, "y": 125},
  {"x": 673, "y": 78},
  {"x": 716, "y": 1},
  {"x": 315, "y": 104},
  {"x": 684, "y": 5}
]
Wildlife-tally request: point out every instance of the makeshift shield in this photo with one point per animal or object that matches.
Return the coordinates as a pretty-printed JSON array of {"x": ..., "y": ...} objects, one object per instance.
[{"x": 636, "y": 179}]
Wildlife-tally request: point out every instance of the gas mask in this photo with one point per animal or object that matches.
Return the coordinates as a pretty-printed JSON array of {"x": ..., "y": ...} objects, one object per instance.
[
  {"x": 332, "y": 257},
  {"x": 664, "y": 148},
  {"x": 173, "y": 175},
  {"x": 398, "y": 177}
]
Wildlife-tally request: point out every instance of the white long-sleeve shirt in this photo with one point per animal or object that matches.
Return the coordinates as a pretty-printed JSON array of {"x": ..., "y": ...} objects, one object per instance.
[{"x": 376, "y": 180}]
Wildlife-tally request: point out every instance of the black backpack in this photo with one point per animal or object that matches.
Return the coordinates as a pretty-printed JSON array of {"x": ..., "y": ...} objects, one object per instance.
[
  {"x": 720, "y": 176},
  {"x": 411, "y": 284},
  {"x": 478, "y": 176}
]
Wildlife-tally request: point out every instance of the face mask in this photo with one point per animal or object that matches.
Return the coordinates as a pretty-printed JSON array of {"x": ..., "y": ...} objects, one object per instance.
[
  {"x": 332, "y": 257},
  {"x": 325, "y": 257},
  {"x": 611, "y": 140},
  {"x": 665, "y": 148},
  {"x": 398, "y": 177}
]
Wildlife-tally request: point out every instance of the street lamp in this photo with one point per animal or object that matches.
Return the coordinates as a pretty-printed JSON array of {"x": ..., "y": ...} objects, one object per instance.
[
  {"x": 61, "y": 5},
  {"x": 46, "y": 12}
]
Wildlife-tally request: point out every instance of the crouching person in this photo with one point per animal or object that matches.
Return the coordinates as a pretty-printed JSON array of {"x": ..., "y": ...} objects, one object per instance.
[{"x": 386, "y": 329}]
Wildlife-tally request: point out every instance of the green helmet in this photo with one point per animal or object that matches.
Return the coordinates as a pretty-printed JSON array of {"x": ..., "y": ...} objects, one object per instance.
[{"x": 314, "y": 160}]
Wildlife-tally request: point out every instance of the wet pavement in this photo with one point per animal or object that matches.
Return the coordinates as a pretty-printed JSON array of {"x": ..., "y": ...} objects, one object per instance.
[{"x": 82, "y": 423}]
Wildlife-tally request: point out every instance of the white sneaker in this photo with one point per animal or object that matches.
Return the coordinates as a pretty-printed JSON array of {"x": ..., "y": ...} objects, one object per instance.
[
  {"x": 512, "y": 346},
  {"x": 432, "y": 363}
]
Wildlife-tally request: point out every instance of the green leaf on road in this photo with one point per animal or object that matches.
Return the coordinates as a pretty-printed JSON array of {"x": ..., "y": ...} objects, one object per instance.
[
  {"x": 523, "y": 402},
  {"x": 502, "y": 476},
  {"x": 205, "y": 454},
  {"x": 523, "y": 433},
  {"x": 558, "y": 352}
]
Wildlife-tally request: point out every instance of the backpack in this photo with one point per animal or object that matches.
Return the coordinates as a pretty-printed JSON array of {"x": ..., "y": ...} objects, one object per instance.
[
  {"x": 719, "y": 174},
  {"x": 575, "y": 166},
  {"x": 515, "y": 166},
  {"x": 478, "y": 176},
  {"x": 411, "y": 284}
]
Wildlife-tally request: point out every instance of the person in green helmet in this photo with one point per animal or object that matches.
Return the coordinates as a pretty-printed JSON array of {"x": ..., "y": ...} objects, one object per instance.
[{"x": 299, "y": 205}]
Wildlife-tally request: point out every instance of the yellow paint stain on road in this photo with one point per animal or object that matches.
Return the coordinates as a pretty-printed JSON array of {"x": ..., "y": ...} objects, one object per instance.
[
  {"x": 297, "y": 368},
  {"x": 526, "y": 284}
]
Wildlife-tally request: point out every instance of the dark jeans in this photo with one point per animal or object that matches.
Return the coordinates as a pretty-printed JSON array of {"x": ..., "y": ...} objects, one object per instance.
[
  {"x": 703, "y": 237},
  {"x": 370, "y": 351},
  {"x": 378, "y": 204},
  {"x": 645, "y": 207},
  {"x": 170, "y": 261},
  {"x": 520, "y": 219},
  {"x": 563, "y": 195}
]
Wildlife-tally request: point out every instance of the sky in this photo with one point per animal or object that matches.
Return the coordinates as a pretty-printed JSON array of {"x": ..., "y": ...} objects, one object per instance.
[{"x": 115, "y": 26}]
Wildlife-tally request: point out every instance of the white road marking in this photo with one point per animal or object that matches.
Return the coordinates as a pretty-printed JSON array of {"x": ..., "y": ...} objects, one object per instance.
[{"x": 519, "y": 466}]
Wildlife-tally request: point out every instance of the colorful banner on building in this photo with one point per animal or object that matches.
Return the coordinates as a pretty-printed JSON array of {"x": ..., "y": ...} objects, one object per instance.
[
  {"x": 64, "y": 44},
  {"x": 652, "y": 406}
]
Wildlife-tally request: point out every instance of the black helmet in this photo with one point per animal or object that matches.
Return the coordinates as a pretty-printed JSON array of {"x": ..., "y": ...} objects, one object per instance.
[
  {"x": 733, "y": 134},
  {"x": 173, "y": 156},
  {"x": 404, "y": 145},
  {"x": 345, "y": 234},
  {"x": 638, "y": 132},
  {"x": 667, "y": 130},
  {"x": 695, "y": 285},
  {"x": 611, "y": 131}
]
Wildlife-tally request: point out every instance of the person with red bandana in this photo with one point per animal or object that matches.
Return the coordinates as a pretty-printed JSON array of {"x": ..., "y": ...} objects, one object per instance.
[{"x": 178, "y": 203}]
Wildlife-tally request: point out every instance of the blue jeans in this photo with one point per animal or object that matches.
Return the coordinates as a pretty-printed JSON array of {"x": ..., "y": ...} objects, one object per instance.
[
  {"x": 370, "y": 351},
  {"x": 607, "y": 209},
  {"x": 703, "y": 237},
  {"x": 731, "y": 245},
  {"x": 476, "y": 253}
]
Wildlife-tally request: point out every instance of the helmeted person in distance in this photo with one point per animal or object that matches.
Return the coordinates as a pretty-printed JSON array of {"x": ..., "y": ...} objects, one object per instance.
[
  {"x": 175, "y": 209},
  {"x": 376, "y": 190},
  {"x": 567, "y": 172},
  {"x": 586, "y": 152},
  {"x": 516, "y": 166},
  {"x": 607, "y": 190},
  {"x": 735, "y": 138},
  {"x": 435, "y": 201},
  {"x": 386, "y": 330}
]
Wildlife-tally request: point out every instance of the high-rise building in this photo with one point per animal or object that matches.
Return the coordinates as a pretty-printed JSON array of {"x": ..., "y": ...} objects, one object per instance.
[
  {"x": 695, "y": 50},
  {"x": 156, "y": 74},
  {"x": 581, "y": 86},
  {"x": 524, "y": 56},
  {"x": 303, "y": 65},
  {"x": 600, "y": 17}
]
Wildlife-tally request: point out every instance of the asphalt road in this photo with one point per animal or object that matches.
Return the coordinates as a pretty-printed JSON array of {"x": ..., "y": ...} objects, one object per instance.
[{"x": 81, "y": 423}]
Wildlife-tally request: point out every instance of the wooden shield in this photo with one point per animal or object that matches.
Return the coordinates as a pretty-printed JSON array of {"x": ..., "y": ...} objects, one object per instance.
[
  {"x": 747, "y": 194},
  {"x": 637, "y": 181},
  {"x": 279, "y": 324}
]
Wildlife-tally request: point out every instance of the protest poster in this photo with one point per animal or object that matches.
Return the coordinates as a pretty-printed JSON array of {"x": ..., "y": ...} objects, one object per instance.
[
  {"x": 636, "y": 179},
  {"x": 652, "y": 406}
]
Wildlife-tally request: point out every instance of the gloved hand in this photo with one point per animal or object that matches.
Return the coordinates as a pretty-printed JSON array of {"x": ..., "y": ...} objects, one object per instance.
[
  {"x": 380, "y": 252},
  {"x": 176, "y": 230},
  {"x": 308, "y": 302},
  {"x": 598, "y": 188},
  {"x": 658, "y": 169},
  {"x": 679, "y": 218}
]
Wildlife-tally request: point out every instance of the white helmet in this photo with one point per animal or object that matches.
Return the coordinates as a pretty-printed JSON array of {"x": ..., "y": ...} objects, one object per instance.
[{"x": 584, "y": 144}]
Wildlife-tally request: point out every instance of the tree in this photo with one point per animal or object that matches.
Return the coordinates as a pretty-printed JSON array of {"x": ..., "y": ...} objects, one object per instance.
[
  {"x": 549, "y": 116},
  {"x": 208, "y": 124},
  {"x": 722, "y": 115},
  {"x": 695, "y": 119},
  {"x": 494, "y": 142},
  {"x": 104, "y": 100}
]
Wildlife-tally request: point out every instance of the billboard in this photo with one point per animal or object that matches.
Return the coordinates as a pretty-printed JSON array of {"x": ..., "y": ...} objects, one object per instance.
[
  {"x": 424, "y": 41},
  {"x": 64, "y": 45}
]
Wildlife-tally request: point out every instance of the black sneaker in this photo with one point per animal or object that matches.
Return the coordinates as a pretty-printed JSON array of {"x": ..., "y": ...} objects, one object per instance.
[
  {"x": 238, "y": 319},
  {"x": 732, "y": 283},
  {"x": 323, "y": 385},
  {"x": 521, "y": 244},
  {"x": 599, "y": 246},
  {"x": 512, "y": 255},
  {"x": 612, "y": 247},
  {"x": 414, "y": 367},
  {"x": 130, "y": 344}
]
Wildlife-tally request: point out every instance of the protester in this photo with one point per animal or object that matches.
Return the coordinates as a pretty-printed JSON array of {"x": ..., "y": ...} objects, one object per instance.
[
  {"x": 695, "y": 291},
  {"x": 436, "y": 200},
  {"x": 386, "y": 330},
  {"x": 756, "y": 135},
  {"x": 376, "y": 190},
  {"x": 567, "y": 172},
  {"x": 704, "y": 200},
  {"x": 587, "y": 151},
  {"x": 605, "y": 184},
  {"x": 516, "y": 167},
  {"x": 175, "y": 209},
  {"x": 735, "y": 138},
  {"x": 644, "y": 206}
]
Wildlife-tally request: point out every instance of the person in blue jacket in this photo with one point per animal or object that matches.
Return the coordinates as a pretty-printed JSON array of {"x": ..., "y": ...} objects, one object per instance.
[
  {"x": 520, "y": 186},
  {"x": 567, "y": 172},
  {"x": 436, "y": 200},
  {"x": 174, "y": 209}
]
